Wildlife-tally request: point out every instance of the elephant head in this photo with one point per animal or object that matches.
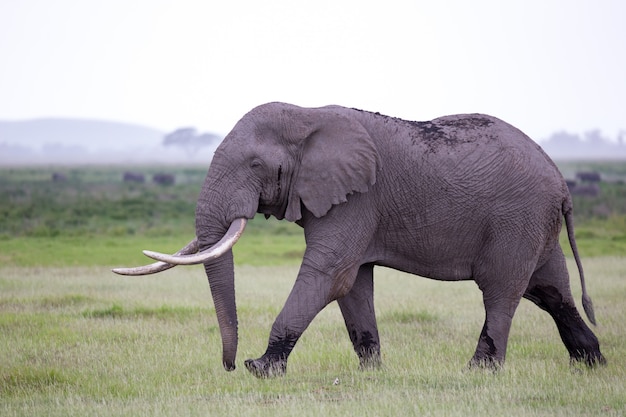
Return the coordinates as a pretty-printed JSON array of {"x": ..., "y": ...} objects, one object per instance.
[{"x": 278, "y": 160}]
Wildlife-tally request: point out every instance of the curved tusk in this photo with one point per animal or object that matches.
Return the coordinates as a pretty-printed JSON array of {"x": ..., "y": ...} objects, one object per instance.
[
  {"x": 230, "y": 238},
  {"x": 191, "y": 247},
  {"x": 144, "y": 270}
]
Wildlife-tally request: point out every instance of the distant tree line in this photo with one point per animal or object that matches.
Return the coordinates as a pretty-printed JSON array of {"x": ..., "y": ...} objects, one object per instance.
[
  {"x": 190, "y": 140},
  {"x": 592, "y": 145},
  {"x": 158, "y": 178},
  {"x": 129, "y": 176}
]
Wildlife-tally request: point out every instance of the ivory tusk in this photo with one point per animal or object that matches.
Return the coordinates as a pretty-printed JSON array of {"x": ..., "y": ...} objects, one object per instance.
[
  {"x": 191, "y": 247},
  {"x": 144, "y": 270},
  {"x": 226, "y": 243}
]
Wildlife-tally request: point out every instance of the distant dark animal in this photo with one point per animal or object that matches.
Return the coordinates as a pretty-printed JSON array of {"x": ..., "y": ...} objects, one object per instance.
[
  {"x": 58, "y": 177},
  {"x": 587, "y": 190},
  {"x": 589, "y": 176},
  {"x": 134, "y": 177},
  {"x": 164, "y": 179}
]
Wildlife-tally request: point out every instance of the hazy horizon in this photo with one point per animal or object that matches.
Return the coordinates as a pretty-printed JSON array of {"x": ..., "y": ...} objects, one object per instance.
[
  {"x": 541, "y": 66},
  {"x": 58, "y": 141}
]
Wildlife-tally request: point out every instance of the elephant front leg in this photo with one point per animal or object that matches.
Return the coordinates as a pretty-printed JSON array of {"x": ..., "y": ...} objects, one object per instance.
[
  {"x": 312, "y": 291},
  {"x": 358, "y": 312},
  {"x": 274, "y": 362}
]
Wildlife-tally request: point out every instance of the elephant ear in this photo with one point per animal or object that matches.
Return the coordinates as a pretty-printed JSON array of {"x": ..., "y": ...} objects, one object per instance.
[{"x": 338, "y": 158}]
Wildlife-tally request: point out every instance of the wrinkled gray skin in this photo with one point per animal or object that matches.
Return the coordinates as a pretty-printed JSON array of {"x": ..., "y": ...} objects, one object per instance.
[{"x": 464, "y": 197}]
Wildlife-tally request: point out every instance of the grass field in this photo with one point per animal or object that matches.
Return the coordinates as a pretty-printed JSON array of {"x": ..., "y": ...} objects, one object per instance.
[
  {"x": 76, "y": 339},
  {"x": 81, "y": 341}
]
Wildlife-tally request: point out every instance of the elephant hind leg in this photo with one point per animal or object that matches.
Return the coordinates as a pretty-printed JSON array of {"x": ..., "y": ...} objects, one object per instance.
[
  {"x": 492, "y": 343},
  {"x": 358, "y": 312},
  {"x": 549, "y": 289},
  {"x": 502, "y": 282}
]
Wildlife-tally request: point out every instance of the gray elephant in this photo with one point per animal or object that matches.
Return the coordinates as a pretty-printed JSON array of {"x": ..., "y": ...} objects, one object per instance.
[{"x": 464, "y": 197}]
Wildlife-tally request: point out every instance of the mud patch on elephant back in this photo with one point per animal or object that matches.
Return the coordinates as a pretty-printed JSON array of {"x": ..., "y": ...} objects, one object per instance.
[
  {"x": 443, "y": 132},
  {"x": 429, "y": 131},
  {"x": 451, "y": 131},
  {"x": 466, "y": 123}
]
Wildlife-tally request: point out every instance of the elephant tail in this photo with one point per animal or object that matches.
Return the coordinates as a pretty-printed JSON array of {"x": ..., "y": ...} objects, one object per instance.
[{"x": 569, "y": 224}]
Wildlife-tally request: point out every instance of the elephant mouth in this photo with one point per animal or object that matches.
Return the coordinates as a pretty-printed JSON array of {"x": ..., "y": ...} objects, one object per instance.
[
  {"x": 269, "y": 211},
  {"x": 189, "y": 254}
]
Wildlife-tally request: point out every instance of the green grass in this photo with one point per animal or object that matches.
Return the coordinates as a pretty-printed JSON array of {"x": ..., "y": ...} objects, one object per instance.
[
  {"x": 598, "y": 237},
  {"x": 82, "y": 341},
  {"x": 254, "y": 248}
]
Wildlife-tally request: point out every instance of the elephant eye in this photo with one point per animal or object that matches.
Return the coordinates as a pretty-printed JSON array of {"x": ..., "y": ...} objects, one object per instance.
[{"x": 256, "y": 163}]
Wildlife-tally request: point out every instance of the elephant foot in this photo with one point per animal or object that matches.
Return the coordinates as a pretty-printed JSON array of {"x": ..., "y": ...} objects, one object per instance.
[
  {"x": 488, "y": 363},
  {"x": 370, "y": 362},
  {"x": 267, "y": 367},
  {"x": 591, "y": 359}
]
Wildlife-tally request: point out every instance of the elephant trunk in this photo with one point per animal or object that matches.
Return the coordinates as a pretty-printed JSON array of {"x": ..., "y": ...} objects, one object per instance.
[
  {"x": 221, "y": 214},
  {"x": 211, "y": 227},
  {"x": 221, "y": 277}
]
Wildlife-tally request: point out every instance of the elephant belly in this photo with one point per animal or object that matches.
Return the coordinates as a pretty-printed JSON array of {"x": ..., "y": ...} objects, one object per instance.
[
  {"x": 441, "y": 264},
  {"x": 454, "y": 271}
]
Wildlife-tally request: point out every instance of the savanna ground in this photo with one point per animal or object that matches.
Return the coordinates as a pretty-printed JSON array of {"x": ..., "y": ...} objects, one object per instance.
[{"x": 76, "y": 339}]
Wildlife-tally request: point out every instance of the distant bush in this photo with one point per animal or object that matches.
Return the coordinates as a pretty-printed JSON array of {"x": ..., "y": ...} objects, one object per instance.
[
  {"x": 91, "y": 201},
  {"x": 164, "y": 179}
]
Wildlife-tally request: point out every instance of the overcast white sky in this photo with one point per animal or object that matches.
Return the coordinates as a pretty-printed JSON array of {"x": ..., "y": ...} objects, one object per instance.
[{"x": 543, "y": 65}]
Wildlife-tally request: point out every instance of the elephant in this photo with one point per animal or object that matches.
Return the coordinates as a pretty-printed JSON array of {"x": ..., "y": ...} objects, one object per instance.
[{"x": 461, "y": 197}]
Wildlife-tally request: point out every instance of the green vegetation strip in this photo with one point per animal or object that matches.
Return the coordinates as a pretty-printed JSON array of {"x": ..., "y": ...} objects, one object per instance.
[{"x": 92, "y": 217}]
